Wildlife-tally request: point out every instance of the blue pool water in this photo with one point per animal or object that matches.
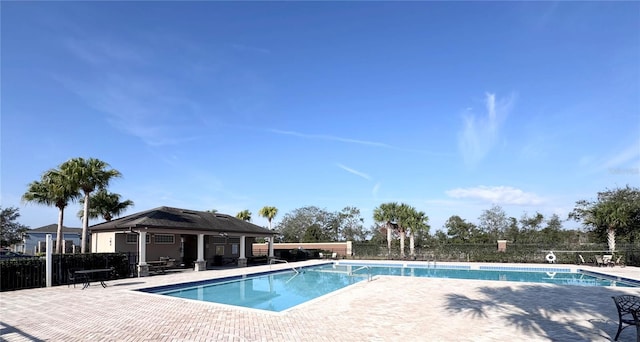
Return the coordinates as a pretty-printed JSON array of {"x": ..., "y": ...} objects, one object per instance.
[{"x": 280, "y": 291}]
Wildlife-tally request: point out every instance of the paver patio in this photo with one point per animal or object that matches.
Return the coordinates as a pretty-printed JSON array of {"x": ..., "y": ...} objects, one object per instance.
[{"x": 385, "y": 309}]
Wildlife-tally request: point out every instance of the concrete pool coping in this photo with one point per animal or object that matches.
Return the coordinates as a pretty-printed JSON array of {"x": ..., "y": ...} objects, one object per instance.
[{"x": 385, "y": 309}]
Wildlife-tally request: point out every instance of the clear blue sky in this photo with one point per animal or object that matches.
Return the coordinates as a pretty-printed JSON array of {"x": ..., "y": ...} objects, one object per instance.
[{"x": 448, "y": 106}]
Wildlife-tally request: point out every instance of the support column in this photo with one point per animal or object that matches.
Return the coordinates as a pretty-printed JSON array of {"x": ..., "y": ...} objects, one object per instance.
[
  {"x": 242, "y": 260},
  {"x": 143, "y": 268},
  {"x": 271, "y": 243},
  {"x": 200, "y": 264},
  {"x": 49, "y": 260},
  {"x": 182, "y": 251}
]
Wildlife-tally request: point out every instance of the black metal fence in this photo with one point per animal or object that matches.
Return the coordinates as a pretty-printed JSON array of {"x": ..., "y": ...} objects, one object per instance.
[{"x": 25, "y": 273}]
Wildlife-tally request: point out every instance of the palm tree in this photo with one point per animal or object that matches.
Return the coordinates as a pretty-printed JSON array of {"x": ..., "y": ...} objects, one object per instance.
[
  {"x": 54, "y": 189},
  {"x": 244, "y": 215},
  {"x": 416, "y": 223},
  {"x": 387, "y": 215},
  {"x": 269, "y": 213},
  {"x": 407, "y": 215},
  {"x": 106, "y": 205},
  {"x": 88, "y": 175},
  {"x": 616, "y": 209}
]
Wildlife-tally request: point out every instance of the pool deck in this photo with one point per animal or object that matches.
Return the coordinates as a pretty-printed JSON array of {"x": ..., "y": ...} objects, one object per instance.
[{"x": 384, "y": 309}]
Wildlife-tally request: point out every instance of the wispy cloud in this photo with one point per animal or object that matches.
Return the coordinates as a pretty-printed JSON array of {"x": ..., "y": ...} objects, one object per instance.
[
  {"x": 547, "y": 16},
  {"x": 242, "y": 47},
  {"x": 355, "y": 141},
  {"x": 141, "y": 107},
  {"x": 625, "y": 157},
  {"x": 329, "y": 137},
  {"x": 504, "y": 195},
  {"x": 354, "y": 172},
  {"x": 625, "y": 161},
  {"x": 96, "y": 52},
  {"x": 480, "y": 134},
  {"x": 140, "y": 104},
  {"x": 375, "y": 189}
]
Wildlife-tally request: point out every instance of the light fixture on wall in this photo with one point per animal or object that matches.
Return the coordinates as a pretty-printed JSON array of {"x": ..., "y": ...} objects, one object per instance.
[{"x": 223, "y": 234}]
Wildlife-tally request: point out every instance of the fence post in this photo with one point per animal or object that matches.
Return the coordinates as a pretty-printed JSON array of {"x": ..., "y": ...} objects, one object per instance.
[
  {"x": 49, "y": 260},
  {"x": 502, "y": 245}
]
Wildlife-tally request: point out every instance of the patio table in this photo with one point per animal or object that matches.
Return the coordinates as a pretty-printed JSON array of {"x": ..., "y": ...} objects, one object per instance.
[{"x": 95, "y": 273}]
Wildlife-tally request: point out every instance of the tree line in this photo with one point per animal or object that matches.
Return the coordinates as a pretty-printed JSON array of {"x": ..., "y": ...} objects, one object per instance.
[{"x": 613, "y": 215}]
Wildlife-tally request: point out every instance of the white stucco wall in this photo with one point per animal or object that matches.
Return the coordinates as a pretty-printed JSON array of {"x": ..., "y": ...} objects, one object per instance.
[{"x": 103, "y": 242}]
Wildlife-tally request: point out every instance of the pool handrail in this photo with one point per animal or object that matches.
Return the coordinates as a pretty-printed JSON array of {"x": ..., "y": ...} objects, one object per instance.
[
  {"x": 274, "y": 260},
  {"x": 369, "y": 276}
]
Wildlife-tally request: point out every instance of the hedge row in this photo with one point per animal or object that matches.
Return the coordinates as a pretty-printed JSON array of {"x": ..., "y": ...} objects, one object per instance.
[{"x": 515, "y": 253}]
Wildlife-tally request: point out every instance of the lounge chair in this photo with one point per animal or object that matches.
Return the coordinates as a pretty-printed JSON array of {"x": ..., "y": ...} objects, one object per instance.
[
  {"x": 334, "y": 255},
  {"x": 599, "y": 261},
  {"x": 581, "y": 260},
  {"x": 618, "y": 262},
  {"x": 608, "y": 260},
  {"x": 628, "y": 313}
]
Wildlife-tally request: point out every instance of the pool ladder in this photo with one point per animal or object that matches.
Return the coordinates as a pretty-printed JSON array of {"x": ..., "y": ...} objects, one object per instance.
[
  {"x": 369, "y": 276},
  {"x": 273, "y": 261}
]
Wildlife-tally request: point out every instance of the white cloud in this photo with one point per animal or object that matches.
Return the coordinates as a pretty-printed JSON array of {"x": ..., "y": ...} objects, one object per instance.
[
  {"x": 503, "y": 195},
  {"x": 480, "y": 134},
  {"x": 355, "y": 172}
]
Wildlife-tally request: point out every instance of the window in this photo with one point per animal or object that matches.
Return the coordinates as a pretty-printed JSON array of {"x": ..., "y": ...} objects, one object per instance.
[
  {"x": 219, "y": 250},
  {"x": 164, "y": 239},
  {"x": 133, "y": 238},
  {"x": 234, "y": 249},
  {"x": 220, "y": 240}
]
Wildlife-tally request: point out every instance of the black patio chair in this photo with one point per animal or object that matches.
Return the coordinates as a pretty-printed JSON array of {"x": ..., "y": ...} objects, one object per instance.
[{"x": 628, "y": 313}]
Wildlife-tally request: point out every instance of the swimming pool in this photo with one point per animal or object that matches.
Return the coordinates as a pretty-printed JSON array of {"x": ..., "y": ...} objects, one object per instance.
[
  {"x": 272, "y": 291},
  {"x": 282, "y": 290}
]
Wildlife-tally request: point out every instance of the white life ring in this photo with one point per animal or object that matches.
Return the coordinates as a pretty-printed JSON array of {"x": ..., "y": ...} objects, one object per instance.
[{"x": 551, "y": 257}]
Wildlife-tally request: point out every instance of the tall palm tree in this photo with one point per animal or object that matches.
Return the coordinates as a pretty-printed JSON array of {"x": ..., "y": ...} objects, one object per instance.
[
  {"x": 88, "y": 175},
  {"x": 54, "y": 189},
  {"x": 244, "y": 215},
  {"x": 106, "y": 205},
  {"x": 387, "y": 215},
  {"x": 406, "y": 216},
  {"x": 269, "y": 213},
  {"x": 416, "y": 223}
]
